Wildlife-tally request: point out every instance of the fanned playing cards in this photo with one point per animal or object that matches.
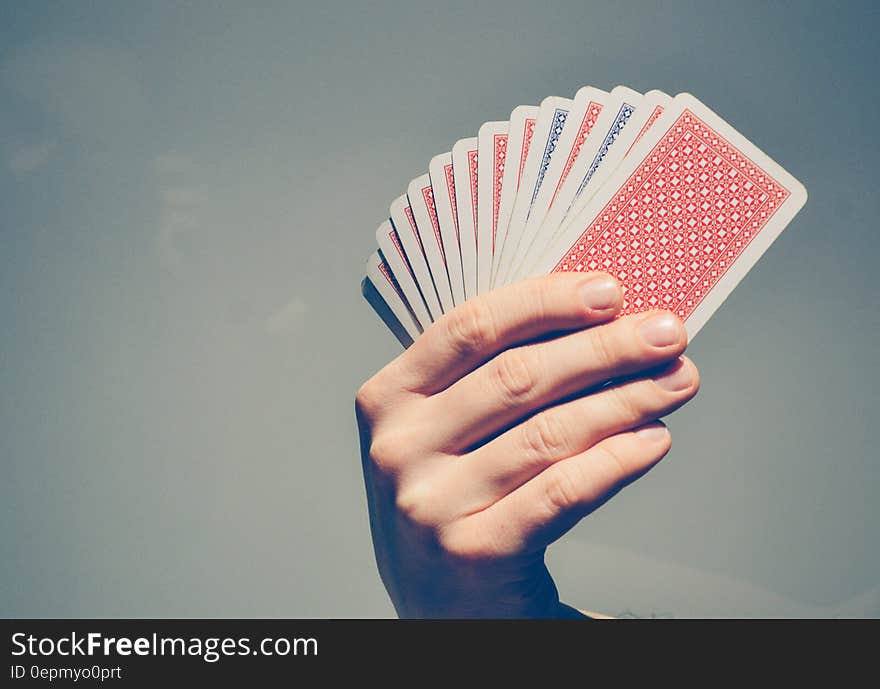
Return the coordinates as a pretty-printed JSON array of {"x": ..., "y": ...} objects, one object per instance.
[{"x": 658, "y": 191}]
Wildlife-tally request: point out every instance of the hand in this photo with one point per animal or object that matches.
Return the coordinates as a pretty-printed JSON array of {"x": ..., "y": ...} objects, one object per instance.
[{"x": 493, "y": 435}]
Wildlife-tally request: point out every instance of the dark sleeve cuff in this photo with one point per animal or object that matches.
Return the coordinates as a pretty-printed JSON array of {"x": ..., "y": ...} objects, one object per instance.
[{"x": 566, "y": 612}]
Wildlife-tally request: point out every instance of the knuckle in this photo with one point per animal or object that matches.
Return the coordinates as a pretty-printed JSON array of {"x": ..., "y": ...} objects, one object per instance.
[
  {"x": 470, "y": 327},
  {"x": 368, "y": 398},
  {"x": 626, "y": 407},
  {"x": 463, "y": 545},
  {"x": 544, "y": 291},
  {"x": 386, "y": 452},
  {"x": 553, "y": 295},
  {"x": 619, "y": 466},
  {"x": 544, "y": 437},
  {"x": 514, "y": 376},
  {"x": 416, "y": 501},
  {"x": 561, "y": 493},
  {"x": 603, "y": 347}
]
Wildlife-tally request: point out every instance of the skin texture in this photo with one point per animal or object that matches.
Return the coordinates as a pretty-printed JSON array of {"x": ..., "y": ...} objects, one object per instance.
[{"x": 499, "y": 429}]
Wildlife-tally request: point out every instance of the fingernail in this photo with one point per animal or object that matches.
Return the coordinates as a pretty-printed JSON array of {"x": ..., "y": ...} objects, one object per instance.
[
  {"x": 600, "y": 294},
  {"x": 677, "y": 378},
  {"x": 652, "y": 433},
  {"x": 662, "y": 330}
]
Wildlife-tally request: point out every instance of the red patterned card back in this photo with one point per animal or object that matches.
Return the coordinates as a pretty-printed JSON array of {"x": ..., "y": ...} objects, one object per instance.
[{"x": 679, "y": 221}]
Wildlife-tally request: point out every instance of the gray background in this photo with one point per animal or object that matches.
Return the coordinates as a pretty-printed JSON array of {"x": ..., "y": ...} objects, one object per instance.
[{"x": 187, "y": 198}]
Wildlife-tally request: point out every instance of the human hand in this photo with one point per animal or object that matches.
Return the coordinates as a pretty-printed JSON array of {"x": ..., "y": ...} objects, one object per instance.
[{"x": 493, "y": 435}]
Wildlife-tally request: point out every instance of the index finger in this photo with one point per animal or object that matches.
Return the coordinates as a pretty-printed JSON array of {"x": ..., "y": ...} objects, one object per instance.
[{"x": 483, "y": 326}]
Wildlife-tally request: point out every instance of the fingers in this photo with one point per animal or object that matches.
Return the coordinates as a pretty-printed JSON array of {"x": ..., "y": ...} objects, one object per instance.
[
  {"x": 518, "y": 455},
  {"x": 477, "y": 330},
  {"x": 524, "y": 379},
  {"x": 540, "y": 511}
]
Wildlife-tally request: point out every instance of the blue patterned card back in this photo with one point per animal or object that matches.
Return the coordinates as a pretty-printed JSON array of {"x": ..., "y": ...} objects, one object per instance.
[
  {"x": 623, "y": 115},
  {"x": 559, "y": 118}
]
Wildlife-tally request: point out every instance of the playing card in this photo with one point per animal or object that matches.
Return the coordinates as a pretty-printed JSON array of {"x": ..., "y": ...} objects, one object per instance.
[
  {"x": 654, "y": 103},
  {"x": 548, "y": 130},
  {"x": 382, "y": 278},
  {"x": 421, "y": 201},
  {"x": 374, "y": 299},
  {"x": 491, "y": 157},
  {"x": 521, "y": 129},
  {"x": 405, "y": 223},
  {"x": 617, "y": 143},
  {"x": 464, "y": 169},
  {"x": 684, "y": 217},
  {"x": 628, "y": 116},
  {"x": 443, "y": 184},
  {"x": 395, "y": 257},
  {"x": 585, "y": 113}
]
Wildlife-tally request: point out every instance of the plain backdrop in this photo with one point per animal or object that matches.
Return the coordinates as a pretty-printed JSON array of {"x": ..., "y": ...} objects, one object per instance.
[{"x": 188, "y": 193}]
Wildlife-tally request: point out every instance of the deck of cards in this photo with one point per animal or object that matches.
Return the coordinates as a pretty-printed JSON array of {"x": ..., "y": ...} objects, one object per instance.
[{"x": 656, "y": 190}]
